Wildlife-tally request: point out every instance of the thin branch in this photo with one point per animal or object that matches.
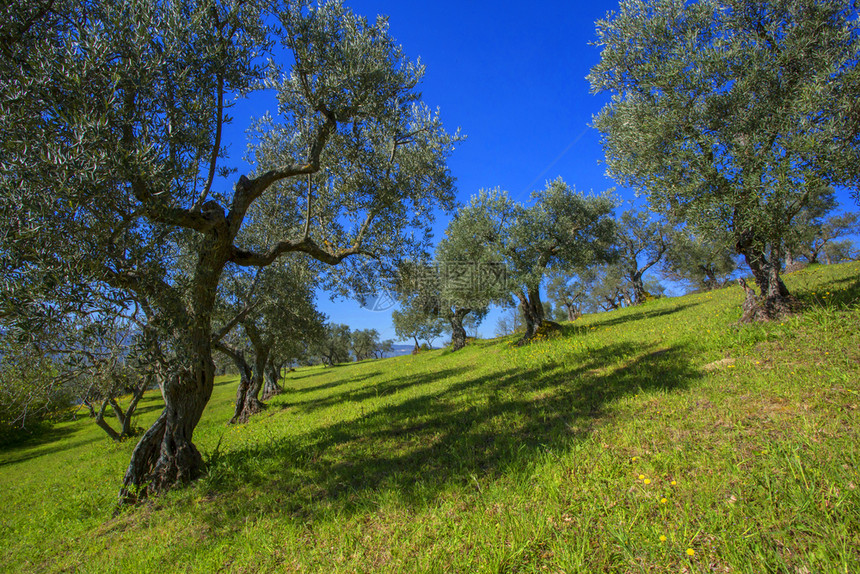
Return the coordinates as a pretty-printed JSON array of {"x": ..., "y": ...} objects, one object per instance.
[
  {"x": 216, "y": 147},
  {"x": 247, "y": 308},
  {"x": 308, "y": 214}
]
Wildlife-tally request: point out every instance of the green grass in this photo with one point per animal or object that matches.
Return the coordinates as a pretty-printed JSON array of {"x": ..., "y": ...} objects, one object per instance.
[{"x": 499, "y": 458}]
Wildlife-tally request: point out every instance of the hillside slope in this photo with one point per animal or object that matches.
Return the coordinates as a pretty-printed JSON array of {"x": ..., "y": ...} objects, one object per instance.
[{"x": 660, "y": 438}]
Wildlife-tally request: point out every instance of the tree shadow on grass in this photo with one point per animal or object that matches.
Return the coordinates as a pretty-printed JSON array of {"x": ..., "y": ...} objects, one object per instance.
[
  {"x": 481, "y": 426},
  {"x": 385, "y": 388},
  {"x": 29, "y": 449},
  {"x": 645, "y": 313},
  {"x": 292, "y": 392},
  {"x": 842, "y": 292},
  {"x": 227, "y": 380}
]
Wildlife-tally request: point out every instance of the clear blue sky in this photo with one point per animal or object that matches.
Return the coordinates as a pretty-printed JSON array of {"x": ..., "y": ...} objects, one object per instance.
[{"x": 512, "y": 76}]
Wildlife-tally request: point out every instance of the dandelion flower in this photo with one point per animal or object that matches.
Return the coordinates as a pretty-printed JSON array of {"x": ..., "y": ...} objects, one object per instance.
[
  {"x": 641, "y": 476},
  {"x": 690, "y": 552},
  {"x": 662, "y": 538},
  {"x": 647, "y": 481},
  {"x": 664, "y": 500},
  {"x": 673, "y": 483}
]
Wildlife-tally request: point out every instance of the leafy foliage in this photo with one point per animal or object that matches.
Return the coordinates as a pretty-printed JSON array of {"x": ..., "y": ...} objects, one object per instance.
[{"x": 729, "y": 114}]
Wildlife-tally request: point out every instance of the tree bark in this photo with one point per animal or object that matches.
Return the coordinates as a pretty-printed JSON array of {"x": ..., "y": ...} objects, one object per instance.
[
  {"x": 127, "y": 429},
  {"x": 124, "y": 418},
  {"x": 638, "y": 288},
  {"x": 245, "y": 376},
  {"x": 271, "y": 386},
  {"x": 103, "y": 424},
  {"x": 774, "y": 298},
  {"x": 458, "y": 332},
  {"x": 165, "y": 456},
  {"x": 573, "y": 312},
  {"x": 532, "y": 311}
]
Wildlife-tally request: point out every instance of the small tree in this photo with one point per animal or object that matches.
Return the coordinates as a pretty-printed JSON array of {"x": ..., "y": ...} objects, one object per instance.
[
  {"x": 642, "y": 242},
  {"x": 275, "y": 311},
  {"x": 333, "y": 346},
  {"x": 364, "y": 343},
  {"x": 469, "y": 274},
  {"x": 510, "y": 322},
  {"x": 416, "y": 322},
  {"x": 569, "y": 290},
  {"x": 562, "y": 229},
  {"x": 704, "y": 263},
  {"x": 609, "y": 289},
  {"x": 813, "y": 230}
]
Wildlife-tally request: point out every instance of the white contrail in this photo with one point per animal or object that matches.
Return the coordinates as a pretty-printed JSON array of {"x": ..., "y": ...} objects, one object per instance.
[{"x": 530, "y": 186}]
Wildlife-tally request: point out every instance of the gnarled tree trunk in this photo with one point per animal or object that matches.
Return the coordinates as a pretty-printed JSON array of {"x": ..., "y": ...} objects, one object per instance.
[
  {"x": 166, "y": 455},
  {"x": 251, "y": 403},
  {"x": 458, "y": 332},
  {"x": 271, "y": 386},
  {"x": 638, "y": 288},
  {"x": 531, "y": 308},
  {"x": 774, "y": 298}
]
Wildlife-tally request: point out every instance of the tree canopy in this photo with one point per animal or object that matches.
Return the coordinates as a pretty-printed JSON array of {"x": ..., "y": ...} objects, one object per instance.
[
  {"x": 727, "y": 114},
  {"x": 112, "y": 120},
  {"x": 561, "y": 229}
]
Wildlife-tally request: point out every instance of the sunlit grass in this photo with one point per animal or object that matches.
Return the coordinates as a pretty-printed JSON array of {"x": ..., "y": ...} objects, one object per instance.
[{"x": 660, "y": 438}]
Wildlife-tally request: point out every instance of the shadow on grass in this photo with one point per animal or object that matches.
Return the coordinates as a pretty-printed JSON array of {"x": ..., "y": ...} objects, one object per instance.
[
  {"x": 29, "y": 449},
  {"x": 477, "y": 427},
  {"x": 376, "y": 391},
  {"x": 644, "y": 313},
  {"x": 324, "y": 386},
  {"x": 226, "y": 380},
  {"x": 842, "y": 292}
]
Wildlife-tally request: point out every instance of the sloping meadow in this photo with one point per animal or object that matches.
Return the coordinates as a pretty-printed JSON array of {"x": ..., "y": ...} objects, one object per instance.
[{"x": 658, "y": 438}]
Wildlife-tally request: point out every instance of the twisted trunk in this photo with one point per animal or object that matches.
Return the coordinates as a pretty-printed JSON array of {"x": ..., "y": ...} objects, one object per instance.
[
  {"x": 102, "y": 423},
  {"x": 166, "y": 456},
  {"x": 573, "y": 312},
  {"x": 638, "y": 288},
  {"x": 271, "y": 386},
  {"x": 458, "y": 332},
  {"x": 124, "y": 418},
  {"x": 531, "y": 308},
  {"x": 774, "y": 298}
]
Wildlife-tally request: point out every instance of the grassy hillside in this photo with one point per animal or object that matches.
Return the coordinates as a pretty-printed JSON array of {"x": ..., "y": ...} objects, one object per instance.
[{"x": 661, "y": 438}]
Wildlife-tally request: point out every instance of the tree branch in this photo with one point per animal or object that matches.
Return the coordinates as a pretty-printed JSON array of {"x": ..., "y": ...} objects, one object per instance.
[
  {"x": 248, "y": 307},
  {"x": 307, "y": 245},
  {"x": 216, "y": 147}
]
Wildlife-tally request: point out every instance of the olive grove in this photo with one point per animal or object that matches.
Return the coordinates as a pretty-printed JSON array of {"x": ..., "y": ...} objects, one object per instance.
[{"x": 114, "y": 173}]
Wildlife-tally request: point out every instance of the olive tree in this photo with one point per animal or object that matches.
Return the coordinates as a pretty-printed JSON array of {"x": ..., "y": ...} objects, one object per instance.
[
  {"x": 728, "y": 114},
  {"x": 112, "y": 115},
  {"x": 276, "y": 316},
  {"x": 569, "y": 291},
  {"x": 815, "y": 229},
  {"x": 561, "y": 229},
  {"x": 469, "y": 273},
  {"x": 642, "y": 242},
  {"x": 414, "y": 321},
  {"x": 333, "y": 346},
  {"x": 703, "y": 262}
]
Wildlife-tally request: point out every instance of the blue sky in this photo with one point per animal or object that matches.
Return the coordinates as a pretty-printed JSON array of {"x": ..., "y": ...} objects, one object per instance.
[{"x": 511, "y": 75}]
